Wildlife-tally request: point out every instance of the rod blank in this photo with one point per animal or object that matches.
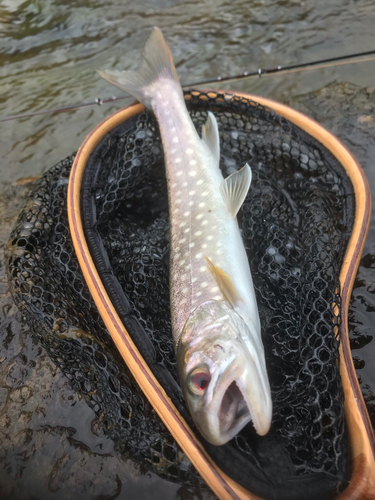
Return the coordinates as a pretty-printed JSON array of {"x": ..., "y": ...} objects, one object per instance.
[{"x": 294, "y": 68}]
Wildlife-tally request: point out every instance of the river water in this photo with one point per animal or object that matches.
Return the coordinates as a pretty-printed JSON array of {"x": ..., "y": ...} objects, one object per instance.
[{"x": 52, "y": 445}]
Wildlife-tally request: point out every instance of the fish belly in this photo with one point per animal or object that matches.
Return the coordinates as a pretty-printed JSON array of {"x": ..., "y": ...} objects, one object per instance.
[{"x": 201, "y": 225}]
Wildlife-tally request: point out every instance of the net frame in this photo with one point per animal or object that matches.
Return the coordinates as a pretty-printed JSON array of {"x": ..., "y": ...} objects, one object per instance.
[
  {"x": 357, "y": 241},
  {"x": 361, "y": 224}
]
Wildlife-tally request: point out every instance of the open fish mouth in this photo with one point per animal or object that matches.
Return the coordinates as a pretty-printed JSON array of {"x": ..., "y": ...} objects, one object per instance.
[
  {"x": 233, "y": 411},
  {"x": 237, "y": 398}
]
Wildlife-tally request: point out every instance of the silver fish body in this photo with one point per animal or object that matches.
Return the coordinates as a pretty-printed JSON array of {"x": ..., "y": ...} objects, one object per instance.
[{"x": 215, "y": 320}]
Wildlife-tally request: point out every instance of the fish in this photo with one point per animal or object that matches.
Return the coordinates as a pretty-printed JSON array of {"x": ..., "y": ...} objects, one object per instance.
[{"x": 215, "y": 320}]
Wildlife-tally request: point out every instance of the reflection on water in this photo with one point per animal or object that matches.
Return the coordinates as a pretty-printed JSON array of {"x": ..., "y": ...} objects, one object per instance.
[
  {"x": 52, "y": 444},
  {"x": 50, "y": 50}
]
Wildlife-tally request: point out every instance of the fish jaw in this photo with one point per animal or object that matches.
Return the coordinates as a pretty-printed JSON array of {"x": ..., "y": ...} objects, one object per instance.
[
  {"x": 234, "y": 404},
  {"x": 238, "y": 391},
  {"x": 239, "y": 398}
]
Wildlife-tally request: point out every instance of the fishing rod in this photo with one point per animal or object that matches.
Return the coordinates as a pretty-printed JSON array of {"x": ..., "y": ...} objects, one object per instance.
[{"x": 294, "y": 68}]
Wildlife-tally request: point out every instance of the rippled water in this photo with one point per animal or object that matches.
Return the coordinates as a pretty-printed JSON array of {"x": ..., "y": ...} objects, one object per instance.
[{"x": 51, "y": 443}]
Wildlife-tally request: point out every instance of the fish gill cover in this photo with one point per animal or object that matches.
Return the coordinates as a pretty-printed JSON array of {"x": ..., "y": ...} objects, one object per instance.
[{"x": 295, "y": 222}]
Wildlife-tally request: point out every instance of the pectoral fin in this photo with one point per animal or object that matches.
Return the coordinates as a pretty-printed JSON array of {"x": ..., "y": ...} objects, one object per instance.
[
  {"x": 234, "y": 189},
  {"x": 210, "y": 135},
  {"x": 225, "y": 283}
]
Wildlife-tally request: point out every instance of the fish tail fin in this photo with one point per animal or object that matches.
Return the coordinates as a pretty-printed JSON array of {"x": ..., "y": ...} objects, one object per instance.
[{"x": 157, "y": 65}]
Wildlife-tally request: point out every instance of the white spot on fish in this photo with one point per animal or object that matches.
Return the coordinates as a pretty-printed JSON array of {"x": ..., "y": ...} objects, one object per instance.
[
  {"x": 198, "y": 233},
  {"x": 183, "y": 224},
  {"x": 194, "y": 280},
  {"x": 200, "y": 182},
  {"x": 193, "y": 162},
  {"x": 199, "y": 255},
  {"x": 209, "y": 237},
  {"x": 205, "y": 193},
  {"x": 178, "y": 160},
  {"x": 175, "y": 139},
  {"x": 186, "y": 213},
  {"x": 185, "y": 184},
  {"x": 203, "y": 268},
  {"x": 192, "y": 193},
  {"x": 198, "y": 294},
  {"x": 179, "y": 173},
  {"x": 204, "y": 223},
  {"x": 182, "y": 262},
  {"x": 193, "y": 173},
  {"x": 217, "y": 297},
  {"x": 204, "y": 245},
  {"x": 215, "y": 289},
  {"x": 202, "y": 204},
  {"x": 191, "y": 203},
  {"x": 185, "y": 290},
  {"x": 189, "y": 151},
  {"x": 204, "y": 284},
  {"x": 187, "y": 230},
  {"x": 199, "y": 216},
  {"x": 183, "y": 240}
]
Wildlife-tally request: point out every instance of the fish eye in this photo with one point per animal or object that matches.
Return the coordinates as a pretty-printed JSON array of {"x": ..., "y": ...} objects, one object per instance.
[{"x": 199, "y": 379}]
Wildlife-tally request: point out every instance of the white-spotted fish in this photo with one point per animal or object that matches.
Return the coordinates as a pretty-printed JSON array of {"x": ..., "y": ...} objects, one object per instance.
[{"x": 215, "y": 320}]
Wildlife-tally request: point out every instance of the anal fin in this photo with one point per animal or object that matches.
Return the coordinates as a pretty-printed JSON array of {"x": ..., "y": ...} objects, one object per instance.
[
  {"x": 225, "y": 283},
  {"x": 210, "y": 136}
]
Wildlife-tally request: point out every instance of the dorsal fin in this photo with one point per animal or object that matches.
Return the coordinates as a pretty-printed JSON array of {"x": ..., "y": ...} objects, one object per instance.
[
  {"x": 225, "y": 283},
  {"x": 210, "y": 135},
  {"x": 234, "y": 189}
]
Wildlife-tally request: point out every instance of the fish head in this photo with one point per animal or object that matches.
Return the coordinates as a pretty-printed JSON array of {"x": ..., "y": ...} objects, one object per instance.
[{"x": 223, "y": 374}]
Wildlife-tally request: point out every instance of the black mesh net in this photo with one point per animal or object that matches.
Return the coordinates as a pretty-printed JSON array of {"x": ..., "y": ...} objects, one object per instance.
[{"x": 295, "y": 222}]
